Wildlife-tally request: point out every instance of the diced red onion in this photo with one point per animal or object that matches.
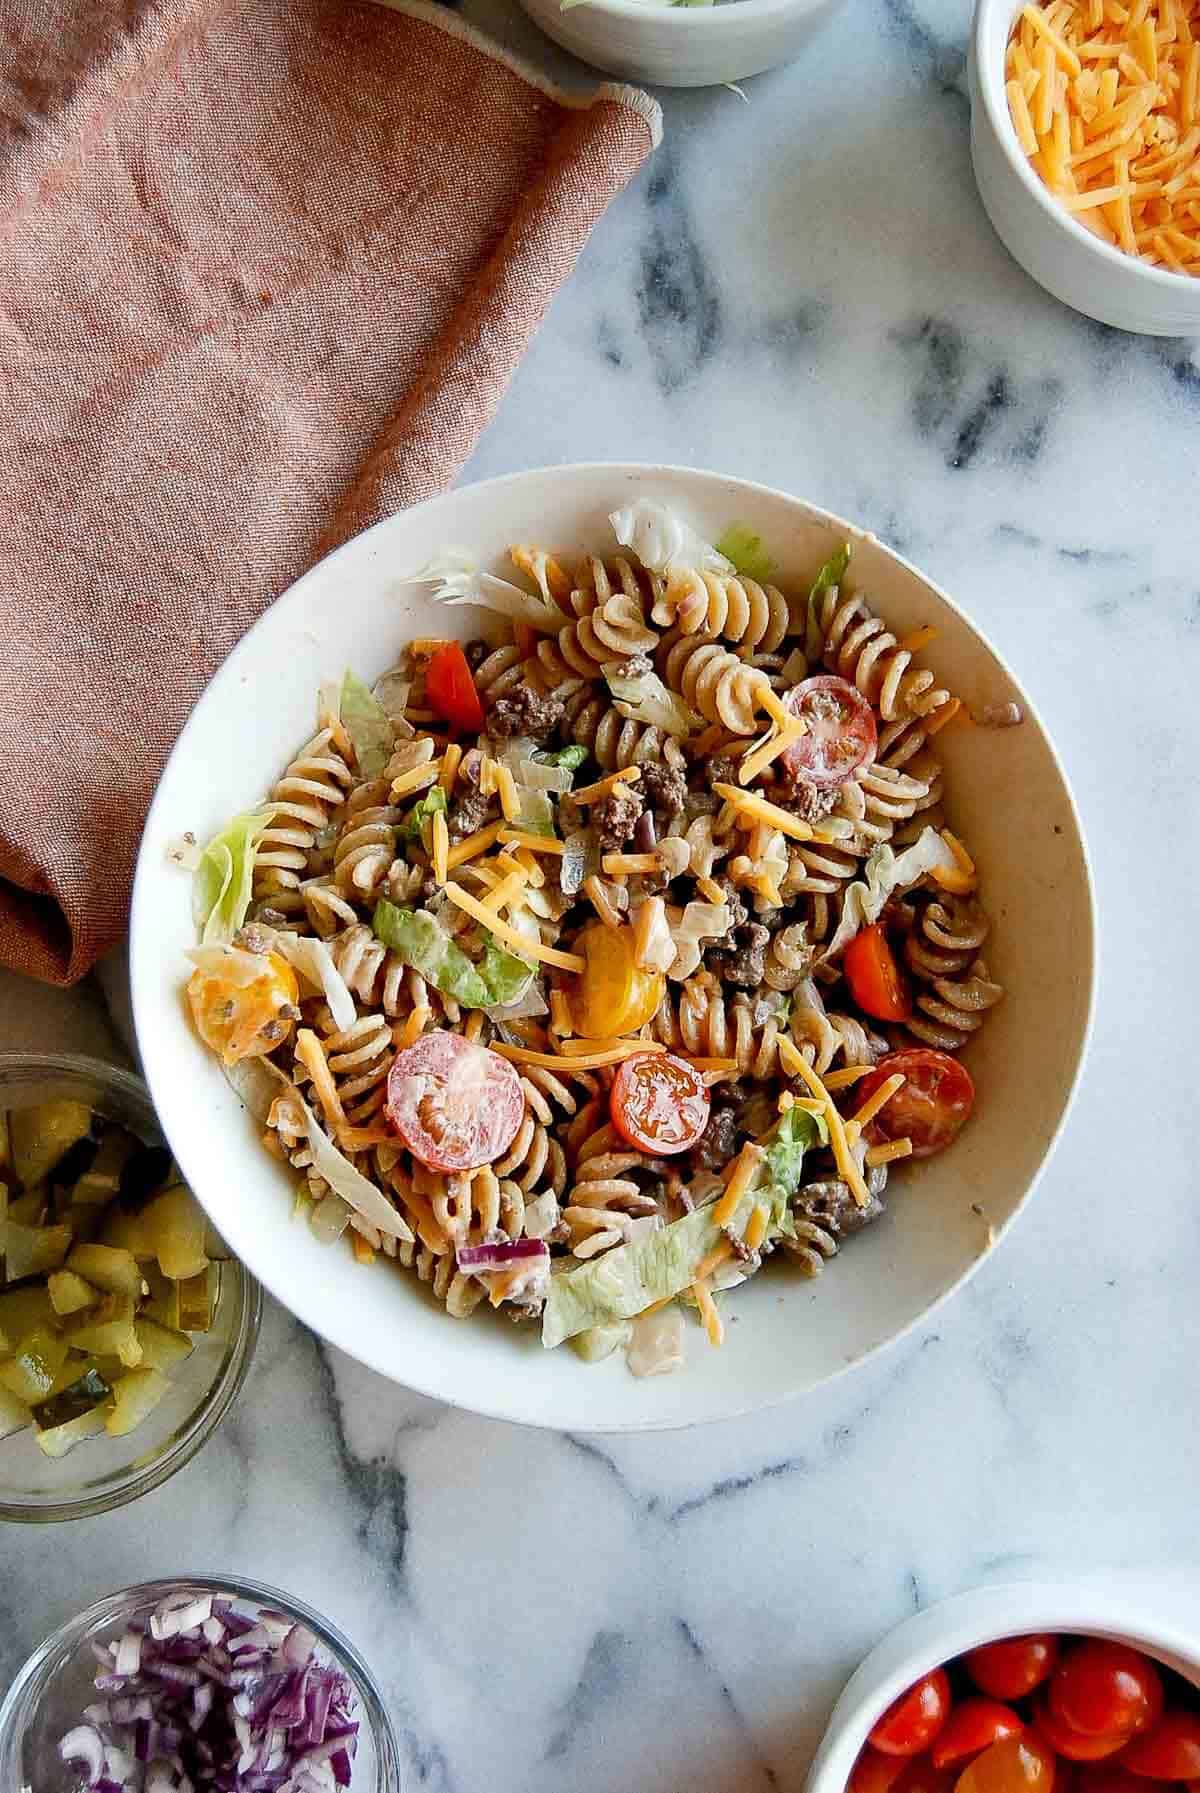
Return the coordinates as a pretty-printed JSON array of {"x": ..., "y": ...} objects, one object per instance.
[
  {"x": 84, "y": 1744},
  {"x": 645, "y": 834},
  {"x": 129, "y": 1654},
  {"x": 479, "y": 1259}
]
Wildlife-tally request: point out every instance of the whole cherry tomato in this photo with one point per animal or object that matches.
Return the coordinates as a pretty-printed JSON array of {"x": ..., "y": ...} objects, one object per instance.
[
  {"x": 911, "y": 1722},
  {"x": 877, "y": 984},
  {"x": 973, "y": 1726},
  {"x": 450, "y": 688},
  {"x": 1076, "y": 1746},
  {"x": 874, "y": 1772},
  {"x": 1013, "y": 1666},
  {"x": 1170, "y": 1751},
  {"x": 1021, "y": 1764},
  {"x": 1100, "y": 1687}
]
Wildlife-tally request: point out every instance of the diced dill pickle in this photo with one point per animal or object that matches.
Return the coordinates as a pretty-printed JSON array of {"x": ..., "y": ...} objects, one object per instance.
[
  {"x": 101, "y": 1181},
  {"x": 30, "y": 1372},
  {"x": 146, "y": 1171},
  {"x": 134, "y": 1396},
  {"x": 107, "y": 1330},
  {"x": 162, "y": 1346},
  {"x": 32, "y": 1250},
  {"x": 86, "y": 1390},
  {"x": 196, "y": 1300},
  {"x": 75, "y": 1163},
  {"x": 107, "y": 1267},
  {"x": 69, "y": 1293},
  {"x": 43, "y": 1134},
  {"x": 29, "y": 1209},
  {"x": 24, "y": 1310},
  {"x": 14, "y": 1414},
  {"x": 130, "y": 1352},
  {"x": 74, "y": 1365},
  {"x": 176, "y": 1222},
  {"x": 56, "y": 1441},
  {"x": 127, "y": 1232}
]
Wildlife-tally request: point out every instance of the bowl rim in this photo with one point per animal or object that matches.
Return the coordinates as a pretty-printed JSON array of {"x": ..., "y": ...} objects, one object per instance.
[
  {"x": 676, "y": 16},
  {"x": 145, "y": 991},
  {"x": 988, "y": 76},
  {"x": 194, "y": 1432},
  {"x": 241, "y": 1587},
  {"x": 938, "y": 1633}
]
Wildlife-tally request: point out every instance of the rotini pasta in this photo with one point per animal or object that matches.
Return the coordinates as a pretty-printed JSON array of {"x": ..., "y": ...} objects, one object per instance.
[{"x": 574, "y": 976}]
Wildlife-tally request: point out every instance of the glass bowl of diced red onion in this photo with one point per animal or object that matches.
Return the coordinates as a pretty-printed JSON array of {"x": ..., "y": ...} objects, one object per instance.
[{"x": 197, "y": 1686}]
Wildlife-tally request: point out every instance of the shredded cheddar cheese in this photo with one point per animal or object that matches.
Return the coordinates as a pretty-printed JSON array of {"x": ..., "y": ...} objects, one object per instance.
[
  {"x": 847, "y": 1168},
  {"x": 756, "y": 1228},
  {"x": 581, "y": 1061},
  {"x": 620, "y": 865},
  {"x": 451, "y": 760},
  {"x": 418, "y": 778},
  {"x": 912, "y": 644},
  {"x": 1104, "y": 100},
  {"x": 849, "y": 1074},
  {"x": 708, "y": 1312},
  {"x": 710, "y": 890},
  {"x": 716, "y": 1257},
  {"x": 592, "y": 793},
  {"x": 576, "y": 1048},
  {"x": 560, "y": 1012},
  {"x": 870, "y": 1108},
  {"x": 532, "y": 843},
  {"x": 759, "y": 758},
  {"x": 473, "y": 845},
  {"x": 753, "y": 810},
  {"x": 523, "y": 945},
  {"x": 510, "y": 801},
  {"x": 415, "y": 1025},
  {"x": 897, "y": 1148},
  {"x": 744, "y": 1167},
  {"x": 960, "y": 881},
  {"x": 441, "y": 847},
  {"x": 487, "y": 776},
  {"x": 505, "y": 891}
]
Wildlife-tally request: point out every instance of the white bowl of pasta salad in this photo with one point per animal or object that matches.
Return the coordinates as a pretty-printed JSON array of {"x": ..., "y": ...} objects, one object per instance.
[{"x": 600, "y": 886}]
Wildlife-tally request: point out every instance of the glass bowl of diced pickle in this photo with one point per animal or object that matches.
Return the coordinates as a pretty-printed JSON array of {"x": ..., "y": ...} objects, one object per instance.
[{"x": 126, "y": 1329}]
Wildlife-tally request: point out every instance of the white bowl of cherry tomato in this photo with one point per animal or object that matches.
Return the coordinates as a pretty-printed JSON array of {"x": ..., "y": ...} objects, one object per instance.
[{"x": 1031, "y": 1689}]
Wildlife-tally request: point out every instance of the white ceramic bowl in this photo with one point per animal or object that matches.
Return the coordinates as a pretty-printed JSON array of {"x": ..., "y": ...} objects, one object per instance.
[
  {"x": 1007, "y": 792},
  {"x": 683, "y": 46},
  {"x": 1130, "y": 1612},
  {"x": 1060, "y": 253}
]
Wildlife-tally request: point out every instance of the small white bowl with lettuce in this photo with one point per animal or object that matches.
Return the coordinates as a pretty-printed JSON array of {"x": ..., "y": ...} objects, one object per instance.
[{"x": 786, "y": 1334}]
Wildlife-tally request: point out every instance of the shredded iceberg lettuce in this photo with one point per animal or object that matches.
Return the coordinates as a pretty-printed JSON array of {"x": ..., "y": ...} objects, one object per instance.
[
  {"x": 368, "y": 725},
  {"x": 643, "y": 697},
  {"x": 223, "y": 880},
  {"x": 661, "y": 539},
  {"x": 460, "y": 580},
  {"x": 430, "y": 804},
  {"x": 314, "y": 961},
  {"x": 886, "y": 872},
  {"x": 347, "y": 1182},
  {"x": 739, "y": 544},
  {"x": 831, "y": 574},
  {"x": 422, "y": 942}
]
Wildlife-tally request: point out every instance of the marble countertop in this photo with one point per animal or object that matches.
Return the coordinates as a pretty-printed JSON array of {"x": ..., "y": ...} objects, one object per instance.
[{"x": 801, "y": 288}]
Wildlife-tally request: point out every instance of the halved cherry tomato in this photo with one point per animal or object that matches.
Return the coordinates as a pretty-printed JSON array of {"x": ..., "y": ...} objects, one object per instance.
[
  {"x": 911, "y": 1722},
  {"x": 1074, "y": 1745},
  {"x": 1014, "y": 1765},
  {"x": 455, "y": 1104},
  {"x": 974, "y": 1725},
  {"x": 931, "y": 1108},
  {"x": 237, "y": 1013},
  {"x": 1106, "y": 1777},
  {"x": 920, "y": 1776},
  {"x": 1170, "y": 1751},
  {"x": 659, "y": 1103},
  {"x": 451, "y": 689},
  {"x": 1013, "y": 1666},
  {"x": 614, "y": 996},
  {"x": 877, "y": 984},
  {"x": 874, "y": 1772},
  {"x": 841, "y": 733},
  {"x": 1101, "y": 1687}
]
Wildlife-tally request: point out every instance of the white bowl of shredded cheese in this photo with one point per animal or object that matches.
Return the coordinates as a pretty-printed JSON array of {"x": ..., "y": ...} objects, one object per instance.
[
  {"x": 359, "y": 607},
  {"x": 1021, "y": 142},
  {"x": 682, "y": 44}
]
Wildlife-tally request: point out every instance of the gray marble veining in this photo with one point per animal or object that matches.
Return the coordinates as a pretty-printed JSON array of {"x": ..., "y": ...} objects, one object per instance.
[{"x": 800, "y": 288}]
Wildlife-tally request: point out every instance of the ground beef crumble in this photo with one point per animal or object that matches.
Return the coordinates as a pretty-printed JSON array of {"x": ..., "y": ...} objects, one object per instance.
[
  {"x": 718, "y": 1143},
  {"x": 832, "y": 1205},
  {"x": 468, "y": 812},
  {"x": 524, "y": 711},
  {"x": 812, "y": 803},
  {"x": 664, "y": 787},
  {"x": 615, "y": 817},
  {"x": 722, "y": 769}
]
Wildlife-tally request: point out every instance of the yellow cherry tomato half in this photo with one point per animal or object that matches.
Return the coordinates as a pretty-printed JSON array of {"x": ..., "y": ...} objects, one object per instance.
[
  {"x": 1021, "y": 1764},
  {"x": 240, "y": 1017},
  {"x": 614, "y": 996}
]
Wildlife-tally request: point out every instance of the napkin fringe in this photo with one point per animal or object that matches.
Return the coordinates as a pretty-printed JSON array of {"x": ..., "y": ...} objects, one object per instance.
[{"x": 617, "y": 93}]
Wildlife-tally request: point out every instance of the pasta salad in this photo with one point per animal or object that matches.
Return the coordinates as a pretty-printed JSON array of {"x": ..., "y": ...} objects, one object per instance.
[{"x": 581, "y": 971}]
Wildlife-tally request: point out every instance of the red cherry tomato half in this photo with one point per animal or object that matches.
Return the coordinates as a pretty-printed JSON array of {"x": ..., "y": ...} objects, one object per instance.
[
  {"x": 451, "y": 689},
  {"x": 920, "y": 1776},
  {"x": 874, "y": 1772},
  {"x": 1013, "y": 1666},
  {"x": 1169, "y": 1751},
  {"x": 974, "y": 1725},
  {"x": 1074, "y": 1745},
  {"x": 1106, "y": 1777},
  {"x": 1021, "y": 1764},
  {"x": 911, "y": 1723},
  {"x": 841, "y": 731},
  {"x": 931, "y": 1108},
  {"x": 1102, "y": 1687},
  {"x": 877, "y": 984},
  {"x": 659, "y": 1103},
  {"x": 454, "y": 1104}
]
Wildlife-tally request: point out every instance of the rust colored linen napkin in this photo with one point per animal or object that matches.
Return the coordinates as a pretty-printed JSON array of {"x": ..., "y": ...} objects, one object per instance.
[{"x": 265, "y": 269}]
